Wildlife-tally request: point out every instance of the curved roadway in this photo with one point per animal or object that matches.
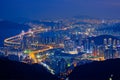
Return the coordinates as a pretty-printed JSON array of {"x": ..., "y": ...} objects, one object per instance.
[{"x": 14, "y": 41}]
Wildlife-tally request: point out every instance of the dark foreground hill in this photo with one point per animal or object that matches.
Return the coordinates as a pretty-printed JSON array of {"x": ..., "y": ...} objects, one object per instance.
[
  {"x": 97, "y": 71},
  {"x": 11, "y": 70}
]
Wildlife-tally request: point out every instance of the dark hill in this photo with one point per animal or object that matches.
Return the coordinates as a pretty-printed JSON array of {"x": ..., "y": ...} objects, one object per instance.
[
  {"x": 97, "y": 71},
  {"x": 8, "y": 29},
  {"x": 11, "y": 70}
]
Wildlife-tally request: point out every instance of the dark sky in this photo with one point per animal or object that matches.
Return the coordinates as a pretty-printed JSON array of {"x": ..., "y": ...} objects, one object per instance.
[{"x": 36, "y": 9}]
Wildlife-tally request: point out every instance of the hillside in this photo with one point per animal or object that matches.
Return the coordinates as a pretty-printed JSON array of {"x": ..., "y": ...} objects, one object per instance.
[
  {"x": 11, "y": 70},
  {"x": 97, "y": 71}
]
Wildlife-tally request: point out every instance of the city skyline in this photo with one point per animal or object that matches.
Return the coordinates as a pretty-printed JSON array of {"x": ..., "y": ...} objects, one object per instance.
[{"x": 61, "y": 36}]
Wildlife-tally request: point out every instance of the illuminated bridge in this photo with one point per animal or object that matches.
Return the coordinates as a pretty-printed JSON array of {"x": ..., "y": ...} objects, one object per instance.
[{"x": 15, "y": 42}]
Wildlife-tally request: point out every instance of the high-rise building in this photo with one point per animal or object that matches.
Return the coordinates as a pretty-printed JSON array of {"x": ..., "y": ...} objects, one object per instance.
[
  {"x": 88, "y": 46},
  {"x": 118, "y": 42},
  {"x": 27, "y": 40},
  {"x": 110, "y": 41},
  {"x": 109, "y": 53},
  {"x": 69, "y": 46},
  {"x": 105, "y": 41}
]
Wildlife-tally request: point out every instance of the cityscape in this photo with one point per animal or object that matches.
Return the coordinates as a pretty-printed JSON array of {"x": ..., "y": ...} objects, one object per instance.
[
  {"x": 62, "y": 47},
  {"x": 59, "y": 40}
]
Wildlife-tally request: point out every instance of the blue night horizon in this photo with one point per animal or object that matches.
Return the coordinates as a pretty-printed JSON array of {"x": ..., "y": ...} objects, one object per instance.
[{"x": 37, "y": 9}]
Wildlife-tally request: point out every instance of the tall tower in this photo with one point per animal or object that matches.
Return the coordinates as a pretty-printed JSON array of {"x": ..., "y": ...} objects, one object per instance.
[
  {"x": 105, "y": 41},
  {"x": 114, "y": 43},
  {"x": 92, "y": 46},
  {"x": 110, "y": 41},
  {"x": 30, "y": 38},
  {"x": 21, "y": 40},
  {"x": 118, "y": 42},
  {"x": 87, "y": 45}
]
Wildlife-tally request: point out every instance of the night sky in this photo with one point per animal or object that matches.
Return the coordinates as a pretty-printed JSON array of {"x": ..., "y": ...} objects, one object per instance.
[{"x": 36, "y": 9}]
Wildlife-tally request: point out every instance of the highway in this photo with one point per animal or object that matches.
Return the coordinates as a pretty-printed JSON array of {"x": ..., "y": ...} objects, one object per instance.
[
  {"x": 32, "y": 54},
  {"x": 12, "y": 40},
  {"x": 15, "y": 40}
]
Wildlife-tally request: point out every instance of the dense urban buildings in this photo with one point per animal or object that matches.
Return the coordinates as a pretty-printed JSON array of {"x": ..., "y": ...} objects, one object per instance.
[
  {"x": 61, "y": 45},
  {"x": 59, "y": 39}
]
